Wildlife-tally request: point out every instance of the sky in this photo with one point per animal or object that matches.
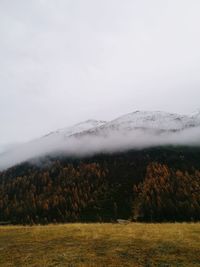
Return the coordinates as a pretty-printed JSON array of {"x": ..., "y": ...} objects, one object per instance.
[{"x": 62, "y": 62}]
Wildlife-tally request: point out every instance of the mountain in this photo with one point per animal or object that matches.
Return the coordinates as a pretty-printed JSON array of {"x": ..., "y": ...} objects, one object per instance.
[
  {"x": 143, "y": 166},
  {"x": 47, "y": 144},
  {"x": 77, "y": 128},
  {"x": 138, "y": 129},
  {"x": 151, "y": 121},
  {"x": 156, "y": 120}
]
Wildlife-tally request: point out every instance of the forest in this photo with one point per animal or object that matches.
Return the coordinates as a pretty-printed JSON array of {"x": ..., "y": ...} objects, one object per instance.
[{"x": 151, "y": 185}]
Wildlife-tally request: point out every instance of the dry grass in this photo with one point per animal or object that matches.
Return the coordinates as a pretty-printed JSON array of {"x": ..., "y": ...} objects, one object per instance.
[{"x": 133, "y": 244}]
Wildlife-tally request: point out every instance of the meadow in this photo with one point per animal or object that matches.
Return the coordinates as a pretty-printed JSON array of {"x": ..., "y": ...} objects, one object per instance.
[{"x": 133, "y": 244}]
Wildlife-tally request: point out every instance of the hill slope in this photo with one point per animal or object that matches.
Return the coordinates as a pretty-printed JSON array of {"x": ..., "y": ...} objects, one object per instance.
[{"x": 157, "y": 184}]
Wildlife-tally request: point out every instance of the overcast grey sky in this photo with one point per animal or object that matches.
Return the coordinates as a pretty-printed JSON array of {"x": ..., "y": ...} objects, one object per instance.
[{"x": 64, "y": 61}]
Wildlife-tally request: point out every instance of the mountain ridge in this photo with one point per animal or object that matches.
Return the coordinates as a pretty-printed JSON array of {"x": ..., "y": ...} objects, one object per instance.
[{"x": 137, "y": 129}]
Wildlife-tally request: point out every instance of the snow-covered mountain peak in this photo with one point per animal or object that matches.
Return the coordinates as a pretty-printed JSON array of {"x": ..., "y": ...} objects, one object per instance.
[
  {"x": 77, "y": 128},
  {"x": 138, "y": 129},
  {"x": 152, "y": 120}
]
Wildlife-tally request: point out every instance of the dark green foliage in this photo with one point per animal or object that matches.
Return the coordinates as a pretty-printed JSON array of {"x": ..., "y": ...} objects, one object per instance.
[{"x": 155, "y": 184}]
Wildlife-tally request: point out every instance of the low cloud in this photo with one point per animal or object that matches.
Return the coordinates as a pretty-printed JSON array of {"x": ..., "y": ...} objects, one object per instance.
[{"x": 87, "y": 144}]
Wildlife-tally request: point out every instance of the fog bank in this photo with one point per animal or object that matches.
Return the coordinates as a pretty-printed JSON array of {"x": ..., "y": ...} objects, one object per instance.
[{"x": 86, "y": 144}]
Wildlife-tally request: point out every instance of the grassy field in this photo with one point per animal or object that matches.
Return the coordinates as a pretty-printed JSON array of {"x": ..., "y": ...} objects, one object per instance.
[{"x": 118, "y": 245}]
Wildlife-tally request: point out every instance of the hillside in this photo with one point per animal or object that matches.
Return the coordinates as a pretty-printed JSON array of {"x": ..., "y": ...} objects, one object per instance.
[{"x": 154, "y": 184}]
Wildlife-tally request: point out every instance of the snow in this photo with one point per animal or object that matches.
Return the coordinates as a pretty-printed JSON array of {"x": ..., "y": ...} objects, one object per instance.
[
  {"x": 77, "y": 128},
  {"x": 136, "y": 129},
  {"x": 156, "y": 121}
]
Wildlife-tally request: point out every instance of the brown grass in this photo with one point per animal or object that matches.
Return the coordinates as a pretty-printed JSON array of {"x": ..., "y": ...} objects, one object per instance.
[{"x": 84, "y": 245}]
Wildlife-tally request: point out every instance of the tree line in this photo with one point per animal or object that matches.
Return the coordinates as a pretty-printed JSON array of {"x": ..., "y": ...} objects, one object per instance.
[{"x": 149, "y": 185}]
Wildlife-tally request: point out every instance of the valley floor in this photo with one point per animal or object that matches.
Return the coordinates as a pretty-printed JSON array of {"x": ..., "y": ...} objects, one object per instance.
[{"x": 84, "y": 245}]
